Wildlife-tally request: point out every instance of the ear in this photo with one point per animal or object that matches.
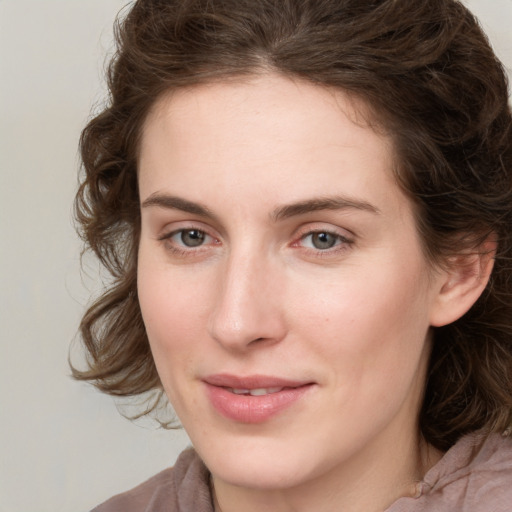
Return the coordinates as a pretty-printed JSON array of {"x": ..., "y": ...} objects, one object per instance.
[{"x": 462, "y": 283}]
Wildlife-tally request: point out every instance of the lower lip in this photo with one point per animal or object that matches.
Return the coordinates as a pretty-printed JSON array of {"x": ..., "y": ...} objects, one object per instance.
[{"x": 253, "y": 409}]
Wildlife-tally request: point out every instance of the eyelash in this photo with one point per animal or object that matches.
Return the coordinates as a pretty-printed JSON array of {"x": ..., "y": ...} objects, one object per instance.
[
  {"x": 342, "y": 243},
  {"x": 180, "y": 250},
  {"x": 338, "y": 238}
]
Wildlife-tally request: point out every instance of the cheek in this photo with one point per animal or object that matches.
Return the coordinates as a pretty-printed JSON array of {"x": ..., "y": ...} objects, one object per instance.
[
  {"x": 373, "y": 318},
  {"x": 173, "y": 311}
]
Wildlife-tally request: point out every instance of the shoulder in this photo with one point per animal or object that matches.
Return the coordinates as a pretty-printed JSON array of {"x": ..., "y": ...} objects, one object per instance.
[
  {"x": 489, "y": 474},
  {"x": 480, "y": 464},
  {"x": 474, "y": 475},
  {"x": 179, "y": 489}
]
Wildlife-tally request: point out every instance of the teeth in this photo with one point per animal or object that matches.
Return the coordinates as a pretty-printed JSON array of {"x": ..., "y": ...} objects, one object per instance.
[
  {"x": 264, "y": 391},
  {"x": 240, "y": 391},
  {"x": 256, "y": 392}
]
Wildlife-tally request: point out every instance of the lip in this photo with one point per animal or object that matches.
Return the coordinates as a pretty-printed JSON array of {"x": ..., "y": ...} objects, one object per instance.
[{"x": 253, "y": 409}]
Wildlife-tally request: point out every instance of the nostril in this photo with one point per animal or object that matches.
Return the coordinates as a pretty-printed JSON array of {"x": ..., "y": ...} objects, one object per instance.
[{"x": 258, "y": 340}]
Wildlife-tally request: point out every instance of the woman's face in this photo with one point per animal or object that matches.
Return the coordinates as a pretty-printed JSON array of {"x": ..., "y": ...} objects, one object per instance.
[{"x": 282, "y": 283}]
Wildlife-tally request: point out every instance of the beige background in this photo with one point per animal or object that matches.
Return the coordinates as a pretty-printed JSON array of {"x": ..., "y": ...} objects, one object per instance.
[{"x": 63, "y": 446}]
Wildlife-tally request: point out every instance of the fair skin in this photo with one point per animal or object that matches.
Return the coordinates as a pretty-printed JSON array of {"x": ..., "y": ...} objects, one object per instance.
[{"x": 278, "y": 254}]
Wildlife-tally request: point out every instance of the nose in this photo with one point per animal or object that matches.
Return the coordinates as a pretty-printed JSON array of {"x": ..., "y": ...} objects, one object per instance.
[{"x": 248, "y": 306}]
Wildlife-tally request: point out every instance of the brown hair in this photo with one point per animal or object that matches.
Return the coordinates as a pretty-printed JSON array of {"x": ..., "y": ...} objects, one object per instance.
[{"x": 428, "y": 73}]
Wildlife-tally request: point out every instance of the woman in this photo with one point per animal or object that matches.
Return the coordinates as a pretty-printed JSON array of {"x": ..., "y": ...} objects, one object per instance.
[{"x": 306, "y": 208}]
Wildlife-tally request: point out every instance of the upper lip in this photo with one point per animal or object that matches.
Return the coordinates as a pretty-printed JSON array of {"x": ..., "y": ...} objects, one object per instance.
[{"x": 252, "y": 381}]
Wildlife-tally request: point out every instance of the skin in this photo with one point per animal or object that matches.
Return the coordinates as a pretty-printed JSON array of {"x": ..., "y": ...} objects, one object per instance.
[{"x": 258, "y": 296}]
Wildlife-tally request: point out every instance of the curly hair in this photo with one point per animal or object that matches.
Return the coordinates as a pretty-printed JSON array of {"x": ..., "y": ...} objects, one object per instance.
[{"x": 431, "y": 80}]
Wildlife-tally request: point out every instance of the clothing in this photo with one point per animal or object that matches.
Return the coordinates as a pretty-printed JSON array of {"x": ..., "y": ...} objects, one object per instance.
[
  {"x": 475, "y": 475},
  {"x": 184, "y": 488}
]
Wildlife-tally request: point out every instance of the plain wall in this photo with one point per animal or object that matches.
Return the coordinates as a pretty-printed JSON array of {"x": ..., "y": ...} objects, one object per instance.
[{"x": 64, "y": 446}]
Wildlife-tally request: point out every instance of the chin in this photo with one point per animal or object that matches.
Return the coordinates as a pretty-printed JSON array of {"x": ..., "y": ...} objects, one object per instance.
[
  {"x": 262, "y": 472},
  {"x": 264, "y": 462}
]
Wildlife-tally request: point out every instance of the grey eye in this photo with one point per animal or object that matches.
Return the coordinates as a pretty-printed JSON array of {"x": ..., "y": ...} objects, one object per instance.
[
  {"x": 192, "y": 237},
  {"x": 323, "y": 240}
]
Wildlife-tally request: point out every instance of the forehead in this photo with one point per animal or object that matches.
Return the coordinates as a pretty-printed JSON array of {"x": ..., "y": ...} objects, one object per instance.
[
  {"x": 251, "y": 102},
  {"x": 266, "y": 134}
]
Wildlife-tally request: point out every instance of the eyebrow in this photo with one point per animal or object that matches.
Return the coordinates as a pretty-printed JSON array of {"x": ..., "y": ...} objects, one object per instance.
[
  {"x": 322, "y": 203},
  {"x": 178, "y": 203},
  {"x": 280, "y": 213}
]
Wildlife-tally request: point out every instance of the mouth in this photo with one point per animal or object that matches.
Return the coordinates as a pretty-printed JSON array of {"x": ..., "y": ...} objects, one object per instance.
[
  {"x": 253, "y": 382},
  {"x": 255, "y": 392},
  {"x": 254, "y": 399}
]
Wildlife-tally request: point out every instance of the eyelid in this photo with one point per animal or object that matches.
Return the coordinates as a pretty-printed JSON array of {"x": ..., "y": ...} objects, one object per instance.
[
  {"x": 181, "y": 250},
  {"x": 340, "y": 239},
  {"x": 168, "y": 235},
  {"x": 322, "y": 227},
  {"x": 171, "y": 234},
  {"x": 345, "y": 240},
  {"x": 171, "y": 228}
]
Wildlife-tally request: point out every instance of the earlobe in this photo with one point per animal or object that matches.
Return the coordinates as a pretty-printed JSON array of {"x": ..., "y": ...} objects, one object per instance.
[{"x": 462, "y": 284}]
